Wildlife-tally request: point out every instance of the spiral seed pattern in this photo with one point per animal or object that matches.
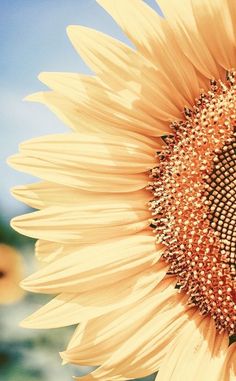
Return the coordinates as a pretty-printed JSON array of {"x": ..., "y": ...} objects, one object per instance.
[{"x": 194, "y": 201}]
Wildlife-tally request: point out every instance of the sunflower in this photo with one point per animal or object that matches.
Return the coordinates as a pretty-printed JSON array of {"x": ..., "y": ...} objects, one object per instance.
[
  {"x": 136, "y": 219},
  {"x": 11, "y": 273}
]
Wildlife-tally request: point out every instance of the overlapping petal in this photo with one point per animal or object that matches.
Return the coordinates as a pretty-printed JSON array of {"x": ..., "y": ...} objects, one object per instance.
[
  {"x": 44, "y": 194},
  {"x": 84, "y": 115},
  {"x": 151, "y": 332},
  {"x": 180, "y": 17},
  {"x": 153, "y": 38},
  {"x": 88, "y": 223},
  {"x": 87, "y": 160},
  {"x": 104, "y": 263},
  {"x": 198, "y": 343},
  {"x": 228, "y": 370},
  {"x": 119, "y": 66},
  {"x": 47, "y": 251},
  {"x": 218, "y": 36},
  {"x": 73, "y": 308},
  {"x": 113, "y": 110}
]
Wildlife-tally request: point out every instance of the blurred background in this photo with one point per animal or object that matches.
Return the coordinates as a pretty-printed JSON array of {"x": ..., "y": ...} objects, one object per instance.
[{"x": 33, "y": 39}]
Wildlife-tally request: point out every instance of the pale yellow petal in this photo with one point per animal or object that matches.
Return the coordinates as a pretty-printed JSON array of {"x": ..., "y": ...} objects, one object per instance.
[
  {"x": 217, "y": 358},
  {"x": 104, "y": 335},
  {"x": 47, "y": 251},
  {"x": 214, "y": 24},
  {"x": 197, "y": 344},
  {"x": 151, "y": 328},
  {"x": 79, "y": 117},
  {"x": 228, "y": 371},
  {"x": 119, "y": 67},
  {"x": 44, "y": 194},
  {"x": 93, "y": 152},
  {"x": 180, "y": 17},
  {"x": 152, "y": 36},
  {"x": 64, "y": 108},
  {"x": 77, "y": 177},
  {"x": 117, "y": 109},
  {"x": 69, "y": 308},
  {"x": 85, "y": 223},
  {"x": 104, "y": 264},
  {"x": 232, "y": 11},
  {"x": 84, "y": 161},
  {"x": 140, "y": 22}
]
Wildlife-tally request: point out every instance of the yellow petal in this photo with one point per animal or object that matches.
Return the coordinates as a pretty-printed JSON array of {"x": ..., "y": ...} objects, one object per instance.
[
  {"x": 119, "y": 66},
  {"x": 232, "y": 11},
  {"x": 150, "y": 34},
  {"x": 79, "y": 117},
  {"x": 228, "y": 371},
  {"x": 104, "y": 264},
  {"x": 104, "y": 335},
  {"x": 94, "y": 152},
  {"x": 77, "y": 177},
  {"x": 86, "y": 160},
  {"x": 44, "y": 194},
  {"x": 89, "y": 223},
  {"x": 47, "y": 251},
  {"x": 151, "y": 329},
  {"x": 63, "y": 107},
  {"x": 194, "y": 346},
  {"x": 116, "y": 110},
  {"x": 214, "y": 24},
  {"x": 67, "y": 309},
  {"x": 180, "y": 17}
]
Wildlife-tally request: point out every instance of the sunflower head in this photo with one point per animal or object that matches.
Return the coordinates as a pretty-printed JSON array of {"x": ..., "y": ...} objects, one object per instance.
[{"x": 149, "y": 277}]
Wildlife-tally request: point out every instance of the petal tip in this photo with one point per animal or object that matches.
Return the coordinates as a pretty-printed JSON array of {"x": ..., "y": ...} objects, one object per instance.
[
  {"x": 14, "y": 223},
  {"x": 42, "y": 76},
  {"x": 25, "y": 323},
  {"x": 35, "y": 97},
  {"x": 64, "y": 360},
  {"x": 71, "y": 29},
  {"x": 12, "y": 161},
  {"x": 17, "y": 191},
  {"x": 25, "y": 284}
]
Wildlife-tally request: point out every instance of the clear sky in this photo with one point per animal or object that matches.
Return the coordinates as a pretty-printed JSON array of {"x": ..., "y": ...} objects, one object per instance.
[{"x": 33, "y": 39}]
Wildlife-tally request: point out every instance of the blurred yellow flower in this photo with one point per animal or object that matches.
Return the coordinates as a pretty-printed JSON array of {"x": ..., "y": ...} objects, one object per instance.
[
  {"x": 136, "y": 225},
  {"x": 11, "y": 273}
]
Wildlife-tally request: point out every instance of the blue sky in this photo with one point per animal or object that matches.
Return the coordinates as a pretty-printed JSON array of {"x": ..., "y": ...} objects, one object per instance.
[{"x": 33, "y": 39}]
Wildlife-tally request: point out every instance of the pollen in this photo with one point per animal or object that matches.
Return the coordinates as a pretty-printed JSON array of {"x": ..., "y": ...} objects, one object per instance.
[{"x": 194, "y": 202}]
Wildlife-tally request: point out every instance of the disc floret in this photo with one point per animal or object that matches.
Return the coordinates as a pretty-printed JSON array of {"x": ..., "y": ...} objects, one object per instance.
[{"x": 185, "y": 216}]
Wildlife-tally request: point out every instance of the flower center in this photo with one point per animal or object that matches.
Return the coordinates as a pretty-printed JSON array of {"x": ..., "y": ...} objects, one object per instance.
[
  {"x": 194, "y": 202},
  {"x": 221, "y": 196}
]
